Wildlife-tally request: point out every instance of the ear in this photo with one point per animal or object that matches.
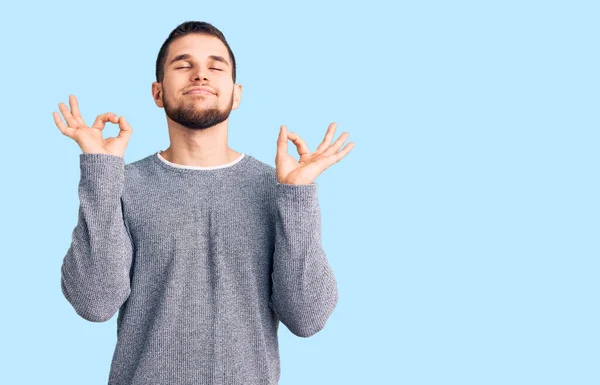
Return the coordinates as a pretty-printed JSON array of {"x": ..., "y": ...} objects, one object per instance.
[
  {"x": 157, "y": 93},
  {"x": 237, "y": 96}
]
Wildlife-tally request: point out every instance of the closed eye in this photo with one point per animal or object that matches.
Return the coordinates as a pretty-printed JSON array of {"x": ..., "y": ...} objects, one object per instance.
[{"x": 218, "y": 69}]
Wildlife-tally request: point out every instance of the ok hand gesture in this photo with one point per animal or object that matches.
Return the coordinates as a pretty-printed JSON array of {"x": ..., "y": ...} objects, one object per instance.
[
  {"x": 310, "y": 165},
  {"x": 90, "y": 138}
]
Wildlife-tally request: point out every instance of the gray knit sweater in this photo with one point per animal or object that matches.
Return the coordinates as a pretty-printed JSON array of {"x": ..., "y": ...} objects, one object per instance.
[{"x": 201, "y": 264}]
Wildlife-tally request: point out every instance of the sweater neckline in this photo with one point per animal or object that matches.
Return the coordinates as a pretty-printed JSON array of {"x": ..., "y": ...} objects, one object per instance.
[{"x": 198, "y": 169}]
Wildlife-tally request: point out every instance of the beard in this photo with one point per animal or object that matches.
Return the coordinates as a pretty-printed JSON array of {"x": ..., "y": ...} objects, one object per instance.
[{"x": 191, "y": 116}]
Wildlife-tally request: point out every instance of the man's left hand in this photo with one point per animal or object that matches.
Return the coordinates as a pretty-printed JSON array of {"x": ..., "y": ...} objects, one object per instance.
[{"x": 310, "y": 165}]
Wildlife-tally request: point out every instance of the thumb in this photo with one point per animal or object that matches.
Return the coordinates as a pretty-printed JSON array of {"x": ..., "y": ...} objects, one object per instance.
[
  {"x": 125, "y": 129},
  {"x": 282, "y": 141}
]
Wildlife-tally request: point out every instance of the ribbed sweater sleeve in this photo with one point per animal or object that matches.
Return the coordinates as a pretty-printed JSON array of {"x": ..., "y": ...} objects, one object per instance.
[
  {"x": 304, "y": 290},
  {"x": 95, "y": 270}
]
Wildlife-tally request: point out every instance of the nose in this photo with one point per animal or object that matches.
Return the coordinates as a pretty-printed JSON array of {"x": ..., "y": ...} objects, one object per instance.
[{"x": 200, "y": 73}]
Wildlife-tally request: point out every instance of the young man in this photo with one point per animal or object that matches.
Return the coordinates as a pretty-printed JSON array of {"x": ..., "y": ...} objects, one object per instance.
[{"x": 201, "y": 249}]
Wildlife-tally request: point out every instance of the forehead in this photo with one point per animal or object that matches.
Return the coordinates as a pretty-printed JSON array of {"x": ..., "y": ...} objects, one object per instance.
[{"x": 198, "y": 46}]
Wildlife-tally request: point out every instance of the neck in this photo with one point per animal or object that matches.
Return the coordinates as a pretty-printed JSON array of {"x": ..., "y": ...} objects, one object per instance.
[{"x": 200, "y": 148}]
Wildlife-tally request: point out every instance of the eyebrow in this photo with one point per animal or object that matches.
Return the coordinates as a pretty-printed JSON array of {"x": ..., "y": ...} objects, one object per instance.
[{"x": 184, "y": 56}]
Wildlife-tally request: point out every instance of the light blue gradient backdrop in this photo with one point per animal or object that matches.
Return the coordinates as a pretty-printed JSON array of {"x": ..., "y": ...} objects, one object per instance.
[{"x": 462, "y": 228}]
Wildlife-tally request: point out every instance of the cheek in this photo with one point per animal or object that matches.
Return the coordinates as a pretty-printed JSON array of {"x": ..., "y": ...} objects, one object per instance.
[
  {"x": 224, "y": 95},
  {"x": 225, "y": 86}
]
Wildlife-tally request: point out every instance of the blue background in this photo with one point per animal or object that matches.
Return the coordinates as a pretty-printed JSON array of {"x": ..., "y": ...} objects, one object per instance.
[{"x": 462, "y": 228}]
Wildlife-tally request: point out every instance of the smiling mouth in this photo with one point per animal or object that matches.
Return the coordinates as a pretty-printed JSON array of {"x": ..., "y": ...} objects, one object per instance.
[{"x": 199, "y": 92}]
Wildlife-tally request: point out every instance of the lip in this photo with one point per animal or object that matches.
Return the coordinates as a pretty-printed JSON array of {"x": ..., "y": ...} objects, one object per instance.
[{"x": 201, "y": 91}]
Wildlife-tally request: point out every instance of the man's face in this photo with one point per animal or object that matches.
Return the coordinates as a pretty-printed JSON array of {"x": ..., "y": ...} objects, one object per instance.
[{"x": 198, "y": 69}]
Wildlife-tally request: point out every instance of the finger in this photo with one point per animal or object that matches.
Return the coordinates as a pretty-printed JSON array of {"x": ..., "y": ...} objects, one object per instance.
[
  {"x": 126, "y": 129},
  {"x": 68, "y": 131},
  {"x": 102, "y": 119},
  {"x": 75, "y": 110},
  {"x": 299, "y": 142},
  {"x": 71, "y": 121},
  {"x": 338, "y": 143},
  {"x": 326, "y": 161},
  {"x": 282, "y": 141},
  {"x": 328, "y": 138}
]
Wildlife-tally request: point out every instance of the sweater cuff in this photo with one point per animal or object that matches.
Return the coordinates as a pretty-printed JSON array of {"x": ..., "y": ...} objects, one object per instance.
[
  {"x": 297, "y": 198},
  {"x": 102, "y": 173}
]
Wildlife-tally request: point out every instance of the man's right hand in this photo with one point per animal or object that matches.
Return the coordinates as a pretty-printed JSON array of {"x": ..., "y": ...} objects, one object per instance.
[{"x": 90, "y": 138}]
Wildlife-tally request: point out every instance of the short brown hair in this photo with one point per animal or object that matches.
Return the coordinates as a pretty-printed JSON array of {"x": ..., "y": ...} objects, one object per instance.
[{"x": 186, "y": 28}]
